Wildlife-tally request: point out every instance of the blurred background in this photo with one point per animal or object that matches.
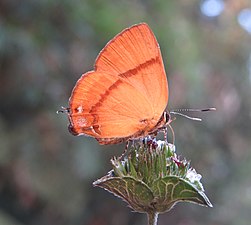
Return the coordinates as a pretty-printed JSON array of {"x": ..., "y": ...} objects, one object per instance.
[{"x": 46, "y": 174}]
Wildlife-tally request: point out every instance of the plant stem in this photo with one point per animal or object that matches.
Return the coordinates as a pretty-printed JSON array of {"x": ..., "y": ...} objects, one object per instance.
[{"x": 152, "y": 218}]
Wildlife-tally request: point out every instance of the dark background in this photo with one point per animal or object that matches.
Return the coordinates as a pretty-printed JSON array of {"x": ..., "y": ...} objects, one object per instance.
[{"x": 46, "y": 174}]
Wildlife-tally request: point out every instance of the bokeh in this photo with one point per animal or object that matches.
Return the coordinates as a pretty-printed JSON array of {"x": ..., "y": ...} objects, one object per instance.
[{"x": 46, "y": 174}]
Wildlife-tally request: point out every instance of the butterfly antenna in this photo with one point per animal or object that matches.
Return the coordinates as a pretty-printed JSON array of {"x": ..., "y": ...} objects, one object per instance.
[
  {"x": 177, "y": 112},
  {"x": 194, "y": 110},
  {"x": 186, "y": 116}
]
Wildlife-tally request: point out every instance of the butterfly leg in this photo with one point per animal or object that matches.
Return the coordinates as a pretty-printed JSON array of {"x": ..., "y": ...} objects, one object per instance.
[
  {"x": 126, "y": 149},
  {"x": 173, "y": 135},
  {"x": 165, "y": 134}
]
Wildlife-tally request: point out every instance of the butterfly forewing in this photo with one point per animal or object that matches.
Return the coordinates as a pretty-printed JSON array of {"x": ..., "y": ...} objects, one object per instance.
[{"x": 135, "y": 56}]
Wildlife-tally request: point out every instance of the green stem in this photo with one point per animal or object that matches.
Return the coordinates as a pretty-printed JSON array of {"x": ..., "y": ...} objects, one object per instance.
[{"x": 152, "y": 218}]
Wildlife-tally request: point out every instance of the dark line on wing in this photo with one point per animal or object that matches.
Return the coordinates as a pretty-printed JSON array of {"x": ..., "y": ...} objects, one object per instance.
[{"x": 133, "y": 71}]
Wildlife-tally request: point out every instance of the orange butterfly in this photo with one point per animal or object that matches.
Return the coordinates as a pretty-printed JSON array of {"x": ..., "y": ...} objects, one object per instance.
[{"x": 126, "y": 94}]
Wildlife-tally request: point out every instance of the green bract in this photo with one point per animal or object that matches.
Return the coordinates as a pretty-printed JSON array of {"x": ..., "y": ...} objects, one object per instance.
[{"x": 152, "y": 179}]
